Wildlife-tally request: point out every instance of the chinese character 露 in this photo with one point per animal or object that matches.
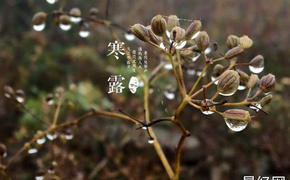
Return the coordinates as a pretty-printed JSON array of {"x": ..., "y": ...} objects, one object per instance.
[{"x": 115, "y": 84}]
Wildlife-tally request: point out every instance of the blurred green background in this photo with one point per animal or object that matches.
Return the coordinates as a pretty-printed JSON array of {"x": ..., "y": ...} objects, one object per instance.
[{"x": 105, "y": 148}]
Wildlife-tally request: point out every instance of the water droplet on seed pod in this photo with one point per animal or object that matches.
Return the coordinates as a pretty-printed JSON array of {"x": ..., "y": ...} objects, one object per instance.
[
  {"x": 32, "y": 151},
  {"x": 84, "y": 33},
  {"x": 75, "y": 19},
  {"x": 65, "y": 27},
  {"x": 236, "y": 125},
  {"x": 41, "y": 140},
  {"x": 151, "y": 141},
  {"x": 129, "y": 36},
  {"x": 39, "y": 27}
]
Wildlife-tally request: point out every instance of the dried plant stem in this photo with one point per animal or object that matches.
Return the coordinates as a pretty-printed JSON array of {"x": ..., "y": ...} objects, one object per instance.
[
  {"x": 52, "y": 129},
  {"x": 180, "y": 72},
  {"x": 156, "y": 144},
  {"x": 178, "y": 80},
  {"x": 178, "y": 156},
  {"x": 199, "y": 78},
  {"x": 57, "y": 111}
]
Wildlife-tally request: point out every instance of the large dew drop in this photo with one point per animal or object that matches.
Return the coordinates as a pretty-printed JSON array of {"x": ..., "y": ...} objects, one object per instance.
[
  {"x": 129, "y": 36},
  {"x": 65, "y": 27},
  {"x": 236, "y": 125},
  {"x": 256, "y": 70},
  {"x": 39, "y": 27},
  {"x": 167, "y": 66},
  {"x": 207, "y": 50}
]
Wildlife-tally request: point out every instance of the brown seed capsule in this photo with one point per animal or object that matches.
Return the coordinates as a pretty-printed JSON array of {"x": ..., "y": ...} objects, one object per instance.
[
  {"x": 75, "y": 12},
  {"x": 172, "y": 21},
  {"x": 245, "y": 42},
  {"x": 202, "y": 41},
  {"x": 158, "y": 25},
  {"x": 94, "y": 12},
  {"x": 244, "y": 77},
  {"x": 39, "y": 18},
  {"x": 140, "y": 32},
  {"x": 152, "y": 37},
  {"x": 232, "y": 41},
  {"x": 252, "y": 81},
  {"x": 257, "y": 62},
  {"x": 64, "y": 19},
  {"x": 218, "y": 70},
  {"x": 177, "y": 34},
  {"x": 266, "y": 100},
  {"x": 228, "y": 83},
  {"x": 193, "y": 28},
  {"x": 267, "y": 83},
  {"x": 234, "y": 52},
  {"x": 237, "y": 114}
]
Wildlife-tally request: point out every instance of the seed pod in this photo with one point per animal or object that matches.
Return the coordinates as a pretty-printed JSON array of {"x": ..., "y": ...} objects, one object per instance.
[
  {"x": 93, "y": 13},
  {"x": 237, "y": 114},
  {"x": 252, "y": 80},
  {"x": 140, "y": 32},
  {"x": 158, "y": 25},
  {"x": 177, "y": 34},
  {"x": 202, "y": 41},
  {"x": 218, "y": 70},
  {"x": 267, "y": 83},
  {"x": 64, "y": 19},
  {"x": 152, "y": 37},
  {"x": 232, "y": 41},
  {"x": 245, "y": 42},
  {"x": 75, "y": 12},
  {"x": 257, "y": 62},
  {"x": 172, "y": 21},
  {"x": 266, "y": 100},
  {"x": 228, "y": 83},
  {"x": 234, "y": 52},
  {"x": 3, "y": 150},
  {"x": 193, "y": 28},
  {"x": 39, "y": 18},
  {"x": 244, "y": 77}
]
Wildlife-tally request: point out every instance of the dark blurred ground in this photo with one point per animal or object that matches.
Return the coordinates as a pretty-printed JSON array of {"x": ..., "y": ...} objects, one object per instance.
[{"x": 37, "y": 62}]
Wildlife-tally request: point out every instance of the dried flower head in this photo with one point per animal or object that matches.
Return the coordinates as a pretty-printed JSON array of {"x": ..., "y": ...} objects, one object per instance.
[
  {"x": 202, "y": 41},
  {"x": 172, "y": 21},
  {"x": 252, "y": 80},
  {"x": 177, "y": 33},
  {"x": 234, "y": 52},
  {"x": 267, "y": 83},
  {"x": 228, "y": 83},
  {"x": 140, "y": 32},
  {"x": 237, "y": 114},
  {"x": 193, "y": 28},
  {"x": 232, "y": 41},
  {"x": 245, "y": 42},
  {"x": 158, "y": 25},
  {"x": 39, "y": 18}
]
